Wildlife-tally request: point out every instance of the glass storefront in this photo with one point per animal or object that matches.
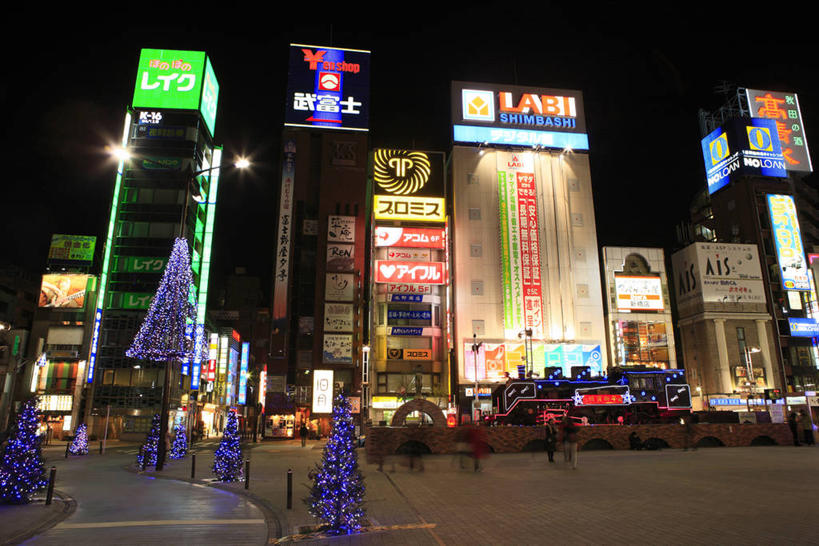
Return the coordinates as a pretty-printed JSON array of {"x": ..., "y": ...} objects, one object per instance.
[{"x": 641, "y": 343}]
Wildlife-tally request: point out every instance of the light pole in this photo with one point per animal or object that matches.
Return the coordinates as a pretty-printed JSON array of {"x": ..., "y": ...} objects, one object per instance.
[
  {"x": 475, "y": 348},
  {"x": 527, "y": 350}
]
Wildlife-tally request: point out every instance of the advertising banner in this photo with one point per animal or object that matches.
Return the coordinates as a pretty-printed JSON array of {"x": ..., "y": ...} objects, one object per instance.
[
  {"x": 783, "y": 109},
  {"x": 409, "y": 254},
  {"x": 803, "y": 327},
  {"x": 718, "y": 272},
  {"x": 408, "y": 314},
  {"x": 410, "y": 272},
  {"x": 396, "y": 353},
  {"x": 473, "y": 367},
  {"x": 63, "y": 290},
  {"x": 338, "y": 317},
  {"x": 638, "y": 293},
  {"x": 408, "y": 289},
  {"x": 72, "y": 248},
  {"x": 742, "y": 147},
  {"x": 322, "y": 391},
  {"x": 793, "y": 268},
  {"x": 142, "y": 264},
  {"x": 515, "y": 115},
  {"x": 520, "y": 243},
  {"x": 339, "y": 286},
  {"x": 408, "y": 172},
  {"x": 413, "y": 331},
  {"x": 410, "y": 237},
  {"x": 341, "y": 229},
  {"x": 328, "y": 88},
  {"x": 243, "y": 366},
  {"x": 281, "y": 261},
  {"x": 338, "y": 349}
]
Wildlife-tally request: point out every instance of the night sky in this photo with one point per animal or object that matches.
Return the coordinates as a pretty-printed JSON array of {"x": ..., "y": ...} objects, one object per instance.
[{"x": 67, "y": 85}]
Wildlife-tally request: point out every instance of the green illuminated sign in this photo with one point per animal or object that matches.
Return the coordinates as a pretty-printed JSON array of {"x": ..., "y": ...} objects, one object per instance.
[
  {"x": 182, "y": 80},
  {"x": 136, "y": 264}
]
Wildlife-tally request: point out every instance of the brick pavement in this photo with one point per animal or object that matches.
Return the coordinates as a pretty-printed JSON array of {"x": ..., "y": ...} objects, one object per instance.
[{"x": 755, "y": 495}]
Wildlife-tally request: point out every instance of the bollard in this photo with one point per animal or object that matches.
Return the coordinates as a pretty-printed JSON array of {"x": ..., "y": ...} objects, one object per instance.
[
  {"x": 247, "y": 473},
  {"x": 52, "y": 475},
  {"x": 193, "y": 464},
  {"x": 289, "y": 488},
  {"x": 100, "y": 447},
  {"x": 66, "y": 449}
]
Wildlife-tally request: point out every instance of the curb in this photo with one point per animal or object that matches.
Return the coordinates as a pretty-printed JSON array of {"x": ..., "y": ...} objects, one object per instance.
[
  {"x": 69, "y": 505},
  {"x": 274, "y": 526}
]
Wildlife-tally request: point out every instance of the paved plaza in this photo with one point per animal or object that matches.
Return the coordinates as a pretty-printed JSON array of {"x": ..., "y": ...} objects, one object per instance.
[{"x": 758, "y": 495}]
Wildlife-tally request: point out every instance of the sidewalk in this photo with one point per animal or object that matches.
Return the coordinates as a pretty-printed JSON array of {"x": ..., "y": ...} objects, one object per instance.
[{"x": 20, "y": 522}]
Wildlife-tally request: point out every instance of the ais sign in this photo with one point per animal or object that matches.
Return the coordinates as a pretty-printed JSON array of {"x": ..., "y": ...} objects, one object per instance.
[
  {"x": 328, "y": 88},
  {"x": 180, "y": 80},
  {"x": 741, "y": 148}
]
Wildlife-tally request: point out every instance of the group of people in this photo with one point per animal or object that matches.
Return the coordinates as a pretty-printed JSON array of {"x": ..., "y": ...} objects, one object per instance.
[
  {"x": 801, "y": 424},
  {"x": 568, "y": 434}
]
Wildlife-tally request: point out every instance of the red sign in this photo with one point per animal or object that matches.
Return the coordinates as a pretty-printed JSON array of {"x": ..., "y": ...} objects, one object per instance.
[
  {"x": 410, "y": 272},
  {"x": 529, "y": 251},
  {"x": 602, "y": 399},
  {"x": 211, "y": 370},
  {"x": 410, "y": 237},
  {"x": 409, "y": 288}
]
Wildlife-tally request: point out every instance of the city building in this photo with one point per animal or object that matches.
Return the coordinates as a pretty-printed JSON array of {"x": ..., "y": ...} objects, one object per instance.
[
  {"x": 319, "y": 336},
  {"x": 527, "y": 292},
  {"x": 166, "y": 187},
  {"x": 640, "y": 327}
]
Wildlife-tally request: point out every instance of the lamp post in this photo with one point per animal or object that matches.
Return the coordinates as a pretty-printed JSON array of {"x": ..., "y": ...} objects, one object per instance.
[
  {"x": 475, "y": 348},
  {"x": 527, "y": 350}
]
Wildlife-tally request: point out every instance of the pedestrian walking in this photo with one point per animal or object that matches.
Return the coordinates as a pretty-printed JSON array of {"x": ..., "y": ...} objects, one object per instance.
[
  {"x": 477, "y": 441},
  {"x": 551, "y": 439},
  {"x": 303, "y": 433},
  {"x": 793, "y": 424},
  {"x": 807, "y": 428},
  {"x": 570, "y": 442}
]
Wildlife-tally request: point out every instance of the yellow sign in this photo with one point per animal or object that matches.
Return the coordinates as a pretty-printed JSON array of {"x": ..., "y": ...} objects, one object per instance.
[
  {"x": 416, "y": 209},
  {"x": 401, "y": 172}
]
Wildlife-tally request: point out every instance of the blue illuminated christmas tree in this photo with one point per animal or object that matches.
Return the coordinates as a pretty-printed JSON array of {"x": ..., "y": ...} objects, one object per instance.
[
  {"x": 21, "y": 468},
  {"x": 337, "y": 495},
  {"x": 227, "y": 461},
  {"x": 147, "y": 455},
  {"x": 79, "y": 446},
  {"x": 162, "y": 334},
  {"x": 180, "y": 443}
]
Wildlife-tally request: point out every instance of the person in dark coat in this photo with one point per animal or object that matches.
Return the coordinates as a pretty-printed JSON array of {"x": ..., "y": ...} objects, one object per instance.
[
  {"x": 303, "y": 433},
  {"x": 793, "y": 424},
  {"x": 551, "y": 439}
]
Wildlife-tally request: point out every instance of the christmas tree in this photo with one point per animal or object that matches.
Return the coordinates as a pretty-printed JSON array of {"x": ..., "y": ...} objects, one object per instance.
[
  {"x": 147, "y": 455},
  {"x": 227, "y": 461},
  {"x": 80, "y": 444},
  {"x": 180, "y": 443},
  {"x": 21, "y": 469},
  {"x": 337, "y": 495}
]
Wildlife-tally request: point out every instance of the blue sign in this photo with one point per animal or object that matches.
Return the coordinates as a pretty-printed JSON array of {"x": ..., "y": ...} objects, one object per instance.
[
  {"x": 804, "y": 327},
  {"x": 406, "y": 331},
  {"x": 409, "y": 298},
  {"x": 328, "y": 88},
  {"x": 742, "y": 147},
  {"x": 243, "y": 373},
  {"x": 409, "y": 315},
  {"x": 520, "y": 137}
]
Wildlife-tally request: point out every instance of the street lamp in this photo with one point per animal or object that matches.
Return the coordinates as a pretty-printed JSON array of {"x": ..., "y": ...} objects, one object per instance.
[{"x": 527, "y": 350}]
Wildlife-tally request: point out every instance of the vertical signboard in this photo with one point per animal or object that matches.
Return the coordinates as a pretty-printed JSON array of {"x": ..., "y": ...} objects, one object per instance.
[
  {"x": 520, "y": 245},
  {"x": 281, "y": 261},
  {"x": 793, "y": 268},
  {"x": 243, "y": 363},
  {"x": 322, "y": 391},
  {"x": 328, "y": 88},
  {"x": 783, "y": 109}
]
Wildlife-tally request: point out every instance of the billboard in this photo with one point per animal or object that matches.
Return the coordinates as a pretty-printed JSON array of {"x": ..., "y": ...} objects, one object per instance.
[
  {"x": 803, "y": 327},
  {"x": 338, "y": 317},
  {"x": 72, "y": 248},
  {"x": 518, "y": 116},
  {"x": 410, "y": 237},
  {"x": 783, "y": 109},
  {"x": 328, "y": 88},
  {"x": 718, "y": 272},
  {"x": 338, "y": 349},
  {"x": 411, "y": 208},
  {"x": 410, "y": 272},
  {"x": 638, "y": 293},
  {"x": 63, "y": 290},
  {"x": 339, "y": 286},
  {"x": 742, "y": 147},
  {"x": 242, "y": 398},
  {"x": 793, "y": 268},
  {"x": 181, "y": 80},
  {"x": 408, "y": 172},
  {"x": 322, "y": 391},
  {"x": 520, "y": 243}
]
